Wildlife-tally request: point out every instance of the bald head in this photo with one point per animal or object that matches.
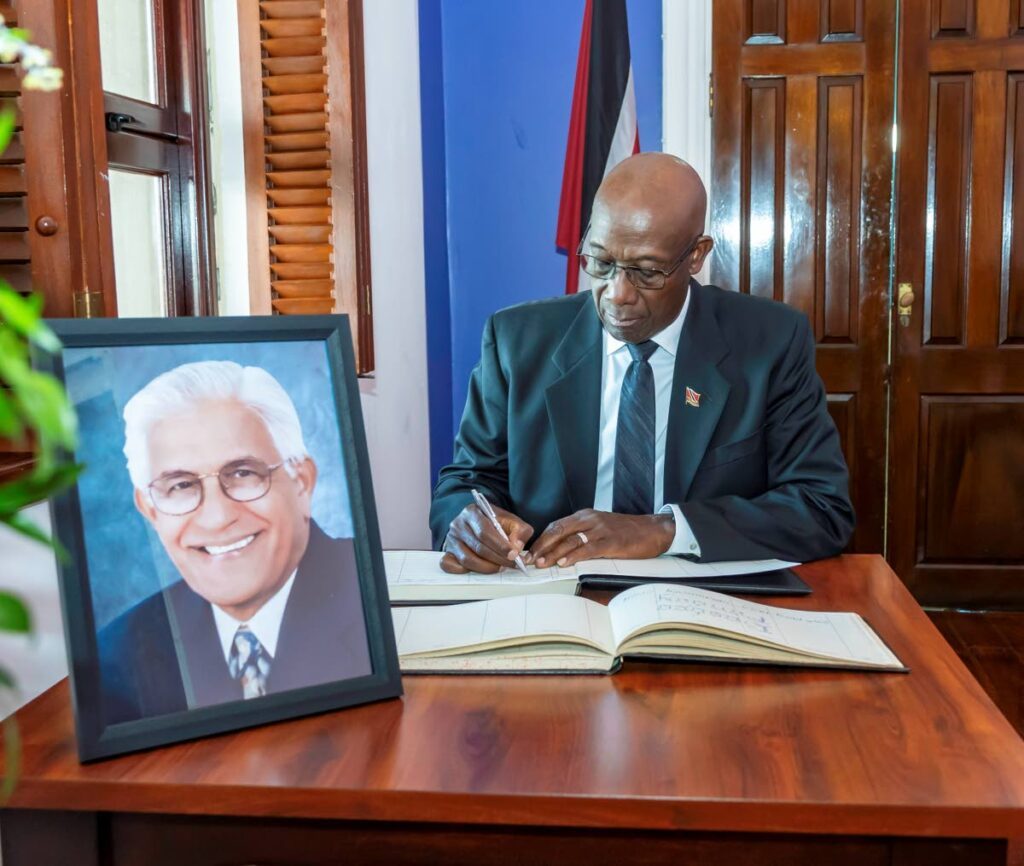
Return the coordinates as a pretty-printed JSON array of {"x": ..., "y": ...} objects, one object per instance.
[
  {"x": 648, "y": 219},
  {"x": 664, "y": 187}
]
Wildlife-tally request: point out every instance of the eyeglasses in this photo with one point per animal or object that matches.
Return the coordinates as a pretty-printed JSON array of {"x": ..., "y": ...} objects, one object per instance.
[
  {"x": 182, "y": 492},
  {"x": 642, "y": 278}
]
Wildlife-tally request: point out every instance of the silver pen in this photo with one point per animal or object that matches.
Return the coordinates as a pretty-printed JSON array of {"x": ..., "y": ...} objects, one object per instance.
[{"x": 485, "y": 507}]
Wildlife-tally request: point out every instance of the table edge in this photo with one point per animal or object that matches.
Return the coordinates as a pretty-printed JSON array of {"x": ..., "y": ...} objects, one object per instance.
[{"x": 572, "y": 811}]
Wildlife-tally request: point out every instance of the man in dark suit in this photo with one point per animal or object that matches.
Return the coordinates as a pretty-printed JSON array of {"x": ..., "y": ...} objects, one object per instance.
[
  {"x": 147, "y": 672},
  {"x": 267, "y": 602},
  {"x": 651, "y": 415}
]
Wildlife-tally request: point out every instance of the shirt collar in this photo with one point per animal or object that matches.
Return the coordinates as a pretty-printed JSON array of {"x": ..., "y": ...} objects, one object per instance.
[
  {"x": 667, "y": 338},
  {"x": 265, "y": 623}
]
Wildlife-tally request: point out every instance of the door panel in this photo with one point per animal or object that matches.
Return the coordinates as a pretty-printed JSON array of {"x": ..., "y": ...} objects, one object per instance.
[
  {"x": 138, "y": 208},
  {"x": 957, "y": 468},
  {"x": 1011, "y": 313},
  {"x": 801, "y": 197},
  {"x": 128, "y": 46}
]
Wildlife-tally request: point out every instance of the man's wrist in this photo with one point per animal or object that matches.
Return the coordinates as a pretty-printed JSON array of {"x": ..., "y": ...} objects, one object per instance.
[{"x": 665, "y": 525}]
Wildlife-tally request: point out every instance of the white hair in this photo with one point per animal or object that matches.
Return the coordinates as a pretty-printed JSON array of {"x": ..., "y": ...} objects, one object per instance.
[{"x": 180, "y": 389}]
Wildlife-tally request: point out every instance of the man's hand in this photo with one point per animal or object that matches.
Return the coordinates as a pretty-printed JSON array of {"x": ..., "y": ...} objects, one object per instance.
[
  {"x": 609, "y": 536},
  {"x": 473, "y": 544}
]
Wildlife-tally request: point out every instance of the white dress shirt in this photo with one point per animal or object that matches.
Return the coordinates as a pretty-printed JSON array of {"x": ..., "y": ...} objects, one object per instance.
[
  {"x": 265, "y": 623},
  {"x": 614, "y": 364}
]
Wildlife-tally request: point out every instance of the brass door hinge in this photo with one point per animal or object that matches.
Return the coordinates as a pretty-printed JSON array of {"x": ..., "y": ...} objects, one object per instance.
[{"x": 89, "y": 305}]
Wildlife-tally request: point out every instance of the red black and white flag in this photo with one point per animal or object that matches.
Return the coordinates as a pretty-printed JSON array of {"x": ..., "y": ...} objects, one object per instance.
[{"x": 602, "y": 129}]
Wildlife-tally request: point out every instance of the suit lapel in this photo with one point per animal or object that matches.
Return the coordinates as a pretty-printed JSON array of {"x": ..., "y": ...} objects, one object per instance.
[
  {"x": 574, "y": 404},
  {"x": 208, "y": 680},
  {"x": 323, "y": 635},
  {"x": 690, "y": 428},
  {"x": 301, "y": 630}
]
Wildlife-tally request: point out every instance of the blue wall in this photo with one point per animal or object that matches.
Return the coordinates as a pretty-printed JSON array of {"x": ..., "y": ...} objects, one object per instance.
[
  {"x": 506, "y": 71},
  {"x": 435, "y": 236}
]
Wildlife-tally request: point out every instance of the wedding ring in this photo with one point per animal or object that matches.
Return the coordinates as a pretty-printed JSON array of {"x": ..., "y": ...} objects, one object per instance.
[{"x": 582, "y": 537}]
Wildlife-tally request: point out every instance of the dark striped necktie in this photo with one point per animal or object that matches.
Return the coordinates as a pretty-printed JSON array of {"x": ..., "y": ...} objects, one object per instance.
[{"x": 633, "y": 491}]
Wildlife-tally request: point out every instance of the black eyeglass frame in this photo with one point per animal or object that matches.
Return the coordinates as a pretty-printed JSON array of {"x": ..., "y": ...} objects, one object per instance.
[{"x": 631, "y": 270}]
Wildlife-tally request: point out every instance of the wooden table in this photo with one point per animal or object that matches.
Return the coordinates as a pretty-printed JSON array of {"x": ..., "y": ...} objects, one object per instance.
[{"x": 697, "y": 763}]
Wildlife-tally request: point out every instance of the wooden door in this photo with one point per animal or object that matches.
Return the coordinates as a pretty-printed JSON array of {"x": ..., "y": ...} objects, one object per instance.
[
  {"x": 801, "y": 197},
  {"x": 957, "y": 469},
  {"x": 45, "y": 237}
]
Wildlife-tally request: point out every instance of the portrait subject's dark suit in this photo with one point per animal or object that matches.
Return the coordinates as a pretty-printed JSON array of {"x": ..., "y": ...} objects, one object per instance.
[
  {"x": 755, "y": 467},
  {"x": 145, "y": 672}
]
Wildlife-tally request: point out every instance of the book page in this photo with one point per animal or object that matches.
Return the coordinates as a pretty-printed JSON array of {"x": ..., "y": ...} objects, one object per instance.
[
  {"x": 423, "y": 568},
  {"x": 429, "y": 629},
  {"x": 837, "y": 635}
]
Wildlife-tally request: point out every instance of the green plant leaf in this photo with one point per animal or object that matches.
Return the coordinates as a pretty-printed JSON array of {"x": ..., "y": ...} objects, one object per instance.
[
  {"x": 20, "y": 524},
  {"x": 13, "y": 357},
  {"x": 12, "y": 758},
  {"x": 10, "y": 423},
  {"x": 6, "y": 680},
  {"x": 14, "y": 616},
  {"x": 8, "y": 121},
  {"x": 40, "y": 334},
  {"x": 16, "y": 494},
  {"x": 44, "y": 338},
  {"x": 25, "y": 527},
  {"x": 20, "y": 313},
  {"x": 46, "y": 408}
]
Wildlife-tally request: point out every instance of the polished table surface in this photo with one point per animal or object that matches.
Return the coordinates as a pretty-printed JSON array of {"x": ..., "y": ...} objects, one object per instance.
[{"x": 655, "y": 747}]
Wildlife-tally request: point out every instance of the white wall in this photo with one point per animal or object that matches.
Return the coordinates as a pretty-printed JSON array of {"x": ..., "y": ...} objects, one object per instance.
[
  {"x": 686, "y": 70},
  {"x": 227, "y": 161},
  {"x": 395, "y": 400},
  {"x": 28, "y": 570}
]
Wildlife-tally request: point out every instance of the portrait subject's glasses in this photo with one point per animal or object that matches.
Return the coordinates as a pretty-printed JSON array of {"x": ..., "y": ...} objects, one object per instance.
[
  {"x": 642, "y": 278},
  {"x": 182, "y": 492}
]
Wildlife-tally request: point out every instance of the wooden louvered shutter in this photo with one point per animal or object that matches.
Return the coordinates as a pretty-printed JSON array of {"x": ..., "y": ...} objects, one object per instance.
[
  {"x": 15, "y": 267},
  {"x": 39, "y": 233},
  {"x": 305, "y": 146}
]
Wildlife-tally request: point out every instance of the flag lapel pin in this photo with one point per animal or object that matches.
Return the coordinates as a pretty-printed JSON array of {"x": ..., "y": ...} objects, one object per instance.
[{"x": 692, "y": 398}]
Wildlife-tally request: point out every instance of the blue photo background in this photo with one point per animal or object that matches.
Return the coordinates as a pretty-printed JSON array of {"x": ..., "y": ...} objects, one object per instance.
[{"x": 125, "y": 558}]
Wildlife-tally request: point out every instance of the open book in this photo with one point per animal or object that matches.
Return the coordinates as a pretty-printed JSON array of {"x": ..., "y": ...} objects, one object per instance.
[
  {"x": 569, "y": 634},
  {"x": 416, "y": 575}
]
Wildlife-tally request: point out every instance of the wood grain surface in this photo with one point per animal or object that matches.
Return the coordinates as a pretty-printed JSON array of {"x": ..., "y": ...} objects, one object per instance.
[
  {"x": 957, "y": 379},
  {"x": 655, "y": 747}
]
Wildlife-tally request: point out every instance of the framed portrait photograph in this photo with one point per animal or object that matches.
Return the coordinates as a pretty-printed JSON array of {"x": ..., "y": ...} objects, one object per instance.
[{"x": 224, "y": 565}]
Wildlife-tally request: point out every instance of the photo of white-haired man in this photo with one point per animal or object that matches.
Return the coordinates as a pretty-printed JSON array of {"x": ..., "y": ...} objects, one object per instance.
[{"x": 267, "y": 602}]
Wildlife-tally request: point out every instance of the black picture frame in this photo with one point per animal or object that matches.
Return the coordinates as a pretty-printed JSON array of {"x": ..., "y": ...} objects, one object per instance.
[{"x": 96, "y": 739}]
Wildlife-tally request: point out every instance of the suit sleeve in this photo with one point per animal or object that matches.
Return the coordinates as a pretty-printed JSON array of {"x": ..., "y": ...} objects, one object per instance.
[
  {"x": 481, "y": 447},
  {"x": 806, "y": 513}
]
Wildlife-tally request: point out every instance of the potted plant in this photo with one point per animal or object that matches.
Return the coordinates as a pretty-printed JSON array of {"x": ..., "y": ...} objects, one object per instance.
[{"x": 34, "y": 409}]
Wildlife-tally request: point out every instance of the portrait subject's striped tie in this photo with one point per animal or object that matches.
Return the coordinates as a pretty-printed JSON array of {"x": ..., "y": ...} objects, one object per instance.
[
  {"x": 633, "y": 490},
  {"x": 249, "y": 663}
]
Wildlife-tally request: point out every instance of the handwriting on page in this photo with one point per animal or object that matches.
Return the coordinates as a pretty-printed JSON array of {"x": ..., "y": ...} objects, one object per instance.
[
  {"x": 841, "y": 635},
  {"x": 677, "y": 602}
]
